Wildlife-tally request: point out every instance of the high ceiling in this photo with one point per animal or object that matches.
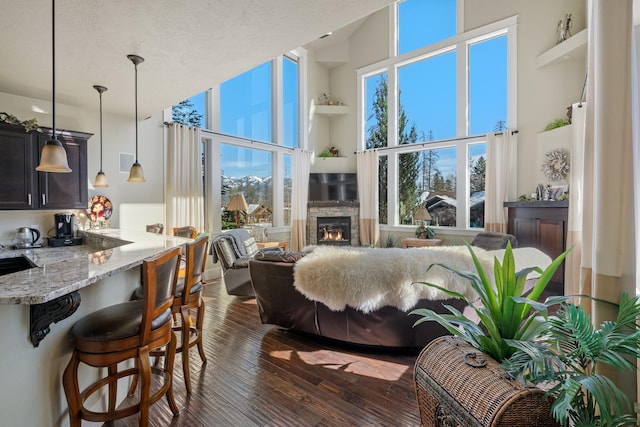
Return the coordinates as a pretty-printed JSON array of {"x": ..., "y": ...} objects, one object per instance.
[{"x": 188, "y": 45}]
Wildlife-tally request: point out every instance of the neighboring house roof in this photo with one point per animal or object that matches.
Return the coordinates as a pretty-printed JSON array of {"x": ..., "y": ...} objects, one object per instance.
[
  {"x": 257, "y": 209},
  {"x": 441, "y": 200}
]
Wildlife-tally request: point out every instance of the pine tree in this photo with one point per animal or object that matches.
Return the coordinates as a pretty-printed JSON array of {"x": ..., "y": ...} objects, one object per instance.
[
  {"x": 429, "y": 161},
  {"x": 377, "y": 137},
  {"x": 186, "y": 113},
  {"x": 477, "y": 175},
  {"x": 409, "y": 162}
]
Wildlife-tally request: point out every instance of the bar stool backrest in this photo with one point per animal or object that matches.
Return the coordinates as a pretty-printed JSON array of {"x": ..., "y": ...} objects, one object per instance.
[
  {"x": 196, "y": 253},
  {"x": 159, "y": 275}
]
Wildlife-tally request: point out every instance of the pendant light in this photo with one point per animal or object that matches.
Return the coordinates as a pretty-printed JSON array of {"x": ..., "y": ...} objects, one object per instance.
[
  {"x": 136, "y": 174},
  {"x": 101, "y": 178},
  {"x": 53, "y": 157}
]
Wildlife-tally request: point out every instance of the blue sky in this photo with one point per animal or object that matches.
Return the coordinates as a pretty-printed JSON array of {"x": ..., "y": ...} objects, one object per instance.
[
  {"x": 428, "y": 88},
  {"x": 428, "y": 91}
]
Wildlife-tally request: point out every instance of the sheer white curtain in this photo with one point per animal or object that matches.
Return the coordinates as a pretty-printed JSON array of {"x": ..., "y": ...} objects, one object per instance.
[
  {"x": 573, "y": 260},
  {"x": 184, "y": 191},
  {"x": 606, "y": 232},
  {"x": 301, "y": 163},
  {"x": 367, "y": 166},
  {"x": 499, "y": 180}
]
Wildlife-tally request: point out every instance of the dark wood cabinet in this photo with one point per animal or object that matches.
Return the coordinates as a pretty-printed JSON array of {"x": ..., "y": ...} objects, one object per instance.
[
  {"x": 541, "y": 225},
  {"x": 17, "y": 170},
  {"x": 65, "y": 190},
  {"x": 25, "y": 188}
]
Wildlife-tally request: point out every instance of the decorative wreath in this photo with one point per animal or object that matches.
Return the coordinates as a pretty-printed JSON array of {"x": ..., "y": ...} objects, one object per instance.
[{"x": 556, "y": 165}]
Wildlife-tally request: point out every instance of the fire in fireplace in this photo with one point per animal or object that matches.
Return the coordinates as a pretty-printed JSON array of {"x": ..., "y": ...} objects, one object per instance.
[{"x": 334, "y": 230}]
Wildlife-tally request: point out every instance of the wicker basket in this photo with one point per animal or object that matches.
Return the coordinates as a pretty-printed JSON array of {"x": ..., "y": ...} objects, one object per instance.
[{"x": 456, "y": 385}]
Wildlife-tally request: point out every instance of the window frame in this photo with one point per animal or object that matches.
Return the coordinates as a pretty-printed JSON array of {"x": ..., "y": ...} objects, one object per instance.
[
  {"x": 213, "y": 139},
  {"x": 460, "y": 44}
]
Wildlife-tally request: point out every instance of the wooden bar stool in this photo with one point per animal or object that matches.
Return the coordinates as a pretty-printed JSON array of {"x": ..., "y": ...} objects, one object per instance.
[
  {"x": 187, "y": 231},
  {"x": 129, "y": 331},
  {"x": 188, "y": 299}
]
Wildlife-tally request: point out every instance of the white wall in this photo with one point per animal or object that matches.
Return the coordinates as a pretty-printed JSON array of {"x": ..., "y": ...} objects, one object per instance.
[
  {"x": 32, "y": 393},
  {"x": 367, "y": 45},
  {"x": 119, "y": 136}
]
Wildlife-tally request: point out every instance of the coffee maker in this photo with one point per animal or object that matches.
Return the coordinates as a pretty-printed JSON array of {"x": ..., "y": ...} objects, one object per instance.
[{"x": 64, "y": 226}]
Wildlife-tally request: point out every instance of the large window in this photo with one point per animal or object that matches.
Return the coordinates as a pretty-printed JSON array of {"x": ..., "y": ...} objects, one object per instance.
[
  {"x": 428, "y": 96},
  {"x": 488, "y": 85},
  {"x": 422, "y": 22},
  {"x": 245, "y": 104},
  {"x": 449, "y": 90},
  {"x": 248, "y": 172},
  {"x": 290, "y": 101},
  {"x": 250, "y": 152},
  {"x": 261, "y": 127}
]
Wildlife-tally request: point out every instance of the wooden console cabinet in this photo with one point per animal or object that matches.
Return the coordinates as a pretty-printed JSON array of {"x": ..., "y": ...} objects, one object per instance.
[
  {"x": 24, "y": 187},
  {"x": 542, "y": 225}
]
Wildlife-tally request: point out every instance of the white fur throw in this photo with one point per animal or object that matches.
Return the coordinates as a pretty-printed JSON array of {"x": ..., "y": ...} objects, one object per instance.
[{"x": 370, "y": 278}]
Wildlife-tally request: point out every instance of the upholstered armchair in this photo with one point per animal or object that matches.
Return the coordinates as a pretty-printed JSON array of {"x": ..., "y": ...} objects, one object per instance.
[
  {"x": 492, "y": 240},
  {"x": 233, "y": 249}
]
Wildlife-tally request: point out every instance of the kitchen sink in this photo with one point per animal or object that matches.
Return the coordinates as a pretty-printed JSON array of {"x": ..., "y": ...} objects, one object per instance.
[{"x": 15, "y": 264}]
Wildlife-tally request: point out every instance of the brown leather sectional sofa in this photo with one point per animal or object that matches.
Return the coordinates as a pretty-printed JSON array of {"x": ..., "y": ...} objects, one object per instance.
[{"x": 279, "y": 303}]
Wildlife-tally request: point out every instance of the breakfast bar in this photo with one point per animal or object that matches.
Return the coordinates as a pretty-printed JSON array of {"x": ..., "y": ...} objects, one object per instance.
[{"x": 62, "y": 285}]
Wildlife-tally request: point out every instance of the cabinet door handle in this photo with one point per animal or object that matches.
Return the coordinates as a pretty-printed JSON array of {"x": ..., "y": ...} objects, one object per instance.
[
  {"x": 29, "y": 198},
  {"x": 44, "y": 200}
]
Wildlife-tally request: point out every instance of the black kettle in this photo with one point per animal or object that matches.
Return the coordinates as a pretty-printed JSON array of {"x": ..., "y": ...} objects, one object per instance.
[{"x": 26, "y": 237}]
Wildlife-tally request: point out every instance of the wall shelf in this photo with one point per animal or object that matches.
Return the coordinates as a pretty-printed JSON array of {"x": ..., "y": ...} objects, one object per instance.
[
  {"x": 331, "y": 109},
  {"x": 575, "y": 47}
]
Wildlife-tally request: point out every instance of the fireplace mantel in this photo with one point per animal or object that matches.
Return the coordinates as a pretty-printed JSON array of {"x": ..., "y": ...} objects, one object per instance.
[{"x": 333, "y": 203}]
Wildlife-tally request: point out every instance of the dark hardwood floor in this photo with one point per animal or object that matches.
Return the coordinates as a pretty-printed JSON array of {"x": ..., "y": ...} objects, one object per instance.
[{"x": 258, "y": 375}]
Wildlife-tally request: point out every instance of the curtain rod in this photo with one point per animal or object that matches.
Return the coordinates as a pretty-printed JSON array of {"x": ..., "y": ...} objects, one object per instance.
[
  {"x": 266, "y": 145},
  {"x": 210, "y": 132},
  {"x": 422, "y": 144}
]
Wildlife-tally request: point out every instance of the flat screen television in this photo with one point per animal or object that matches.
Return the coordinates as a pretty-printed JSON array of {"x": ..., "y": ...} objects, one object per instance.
[{"x": 324, "y": 187}]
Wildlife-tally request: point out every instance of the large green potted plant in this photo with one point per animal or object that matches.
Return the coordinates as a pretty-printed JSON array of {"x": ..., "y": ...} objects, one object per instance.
[
  {"x": 463, "y": 381},
  {"x": 565, "y": 356},
  {"x": 502, "y": 317}
]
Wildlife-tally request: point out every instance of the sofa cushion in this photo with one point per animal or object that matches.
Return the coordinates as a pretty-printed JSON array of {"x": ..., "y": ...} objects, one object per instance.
[
  {"x": 225, "y": 251},
  {"x": 242, "y": 241},
  {"x": 491, "y": 240},
  {"x": 279, "y": 256}
]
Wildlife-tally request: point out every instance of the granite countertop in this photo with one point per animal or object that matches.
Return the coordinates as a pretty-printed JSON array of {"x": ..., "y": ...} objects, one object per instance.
[{"x": 59, "y": 271}]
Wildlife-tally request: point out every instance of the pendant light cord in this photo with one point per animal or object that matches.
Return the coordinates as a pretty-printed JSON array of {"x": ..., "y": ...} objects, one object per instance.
[
  {"x": 100, "y": 131},
  {"x": 136, "y": 87},
  {"x": 53, "y": 62}
]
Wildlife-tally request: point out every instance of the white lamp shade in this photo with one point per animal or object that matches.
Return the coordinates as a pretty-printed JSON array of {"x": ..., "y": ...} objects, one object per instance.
[
  {"x": 101, "y": 180},
  {"x": 136, "y": 174},
  {"x": 53, "y": 158}
]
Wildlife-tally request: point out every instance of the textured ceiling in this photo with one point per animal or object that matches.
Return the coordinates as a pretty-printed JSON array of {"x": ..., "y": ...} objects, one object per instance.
[{"x": 188, "y": 45}]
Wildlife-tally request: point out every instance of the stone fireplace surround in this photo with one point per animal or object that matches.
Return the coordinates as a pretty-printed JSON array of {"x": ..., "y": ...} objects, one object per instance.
[{"x": 331, "y": 209}]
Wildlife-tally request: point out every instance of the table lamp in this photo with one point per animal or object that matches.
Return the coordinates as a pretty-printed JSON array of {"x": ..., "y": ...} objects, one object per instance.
[
  {"x": 422, "y": 215},
  {"x": 237, "y": 204}
]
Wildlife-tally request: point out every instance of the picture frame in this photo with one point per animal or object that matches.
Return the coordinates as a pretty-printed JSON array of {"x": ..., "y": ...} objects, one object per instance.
[{"x": 558, "y": 191}]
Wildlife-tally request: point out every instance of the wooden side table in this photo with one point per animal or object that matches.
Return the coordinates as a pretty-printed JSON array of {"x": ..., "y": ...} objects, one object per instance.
[
  {"x": 273, "y": 244},
  {"x": 414, "y": 242}
]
